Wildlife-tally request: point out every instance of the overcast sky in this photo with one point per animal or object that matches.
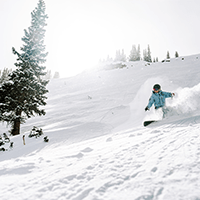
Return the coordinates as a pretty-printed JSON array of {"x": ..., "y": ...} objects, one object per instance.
[{"x": 80, "y": 32}]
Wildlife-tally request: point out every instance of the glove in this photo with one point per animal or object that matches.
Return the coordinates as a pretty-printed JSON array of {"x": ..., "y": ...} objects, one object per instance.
[
  {"x": 146, "y": 108},
  {"x": 173, "y": 94}
]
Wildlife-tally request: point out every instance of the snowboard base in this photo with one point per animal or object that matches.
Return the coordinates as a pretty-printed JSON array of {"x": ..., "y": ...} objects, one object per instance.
[{"x": 146, "y": 123}]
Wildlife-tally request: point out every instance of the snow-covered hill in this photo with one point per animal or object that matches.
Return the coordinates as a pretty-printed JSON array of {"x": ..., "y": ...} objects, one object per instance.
[{"x": 98, "y": 148}]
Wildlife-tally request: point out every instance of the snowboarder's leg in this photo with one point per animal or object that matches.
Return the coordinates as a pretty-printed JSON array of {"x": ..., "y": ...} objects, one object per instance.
[
  {"x": 159, "y": 113},
  {"x": 165, "y": 110}
]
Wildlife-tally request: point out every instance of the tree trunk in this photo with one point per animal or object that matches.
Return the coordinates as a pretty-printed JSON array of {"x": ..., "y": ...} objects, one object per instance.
[{"x": 16, "y": 125}]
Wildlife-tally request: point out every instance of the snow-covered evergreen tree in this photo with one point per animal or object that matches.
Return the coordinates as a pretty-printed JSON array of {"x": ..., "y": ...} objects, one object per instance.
[
  {"x": 176, "y": 54},
  {"x": 145, "y": 58},
  {"x": 135, "y": 53},
  {"x": 56, "y": 75},
  {"x": 138, "y": 53},
  {"x": 24, "y": 93},
  {"x": 147, "y": 54},
  {"x": 168, "y": 56},
  {"x": 120, "y": 56}
]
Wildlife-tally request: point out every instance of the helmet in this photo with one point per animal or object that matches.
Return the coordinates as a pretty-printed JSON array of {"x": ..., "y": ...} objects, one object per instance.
[{"x": 156, "y": 87}]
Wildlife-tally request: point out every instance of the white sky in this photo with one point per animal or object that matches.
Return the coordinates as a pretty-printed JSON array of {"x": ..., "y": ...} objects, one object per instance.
[{"x": 80, "y": 32}]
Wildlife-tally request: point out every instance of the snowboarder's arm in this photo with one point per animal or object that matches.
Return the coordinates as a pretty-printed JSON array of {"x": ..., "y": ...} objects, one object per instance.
[
  {"x": 168, "y": 94},
  {"x": 151, "y": 101}
]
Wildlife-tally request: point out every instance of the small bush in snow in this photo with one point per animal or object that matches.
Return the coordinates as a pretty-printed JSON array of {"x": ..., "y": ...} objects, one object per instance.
[
  {"x": 3, "y": 140},
  {"x": 35, "y": 132}
]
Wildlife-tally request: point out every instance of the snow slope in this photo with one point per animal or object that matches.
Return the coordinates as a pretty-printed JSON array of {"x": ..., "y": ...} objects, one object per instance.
[{"x": 98, "y": 148}]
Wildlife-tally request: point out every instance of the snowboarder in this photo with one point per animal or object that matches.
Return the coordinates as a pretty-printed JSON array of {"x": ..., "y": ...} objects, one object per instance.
[{"x": 158, "y": 98}]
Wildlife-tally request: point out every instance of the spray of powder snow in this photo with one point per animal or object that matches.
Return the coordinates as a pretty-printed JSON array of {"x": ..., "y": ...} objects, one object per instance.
[{"x": 186, "y": 100}]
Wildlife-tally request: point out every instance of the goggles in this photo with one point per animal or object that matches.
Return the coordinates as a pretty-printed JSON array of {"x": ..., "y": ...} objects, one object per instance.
[{"x": 156, "y": 90}]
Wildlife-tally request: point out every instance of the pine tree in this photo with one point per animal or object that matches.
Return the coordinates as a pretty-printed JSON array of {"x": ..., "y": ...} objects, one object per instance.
[
  {"x": 176, "y": 54},
  {"x": 149, "y": 54},
  {"x": 168, "y": 56},
  {"x": 123, "y": 56},
  {"x": 145, "y": 58},
  {"x": 133, "y": 54},
  {"x": 120, "y": 56},
  {"x": 56, "y": 75},
  {"x": 117, "y": 55},
  {"x": 138, "y": 53},
  {"x": 24, "y": 93}
]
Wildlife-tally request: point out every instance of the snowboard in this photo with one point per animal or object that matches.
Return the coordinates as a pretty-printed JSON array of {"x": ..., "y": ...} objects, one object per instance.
[{"x": 146, "y": 123}]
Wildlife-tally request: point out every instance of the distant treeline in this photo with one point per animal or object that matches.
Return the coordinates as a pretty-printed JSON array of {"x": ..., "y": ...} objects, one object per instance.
[
  {"x": 49, "y": 75},
  {"x": 135, "y": 55}
]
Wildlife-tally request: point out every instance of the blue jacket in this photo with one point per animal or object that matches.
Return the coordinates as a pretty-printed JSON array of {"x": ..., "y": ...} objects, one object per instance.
[{"x": 158, "y": 99}]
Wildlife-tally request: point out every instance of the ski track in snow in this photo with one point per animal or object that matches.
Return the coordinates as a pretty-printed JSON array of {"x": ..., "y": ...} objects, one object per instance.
[{"x": 98, "y": 149}]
